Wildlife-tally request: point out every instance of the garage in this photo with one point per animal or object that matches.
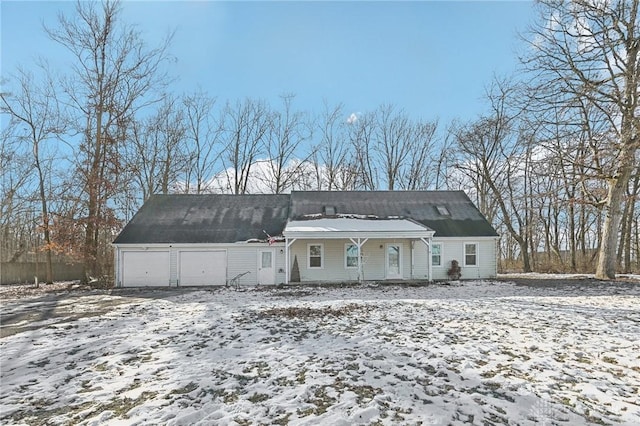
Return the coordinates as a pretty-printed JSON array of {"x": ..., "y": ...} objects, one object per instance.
[
  {"x": 202, "y": 268},
  {"x": 145, "y": 268}
]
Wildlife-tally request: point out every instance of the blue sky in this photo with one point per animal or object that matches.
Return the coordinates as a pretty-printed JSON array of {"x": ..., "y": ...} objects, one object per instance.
[{"x": 433, "y": 59}]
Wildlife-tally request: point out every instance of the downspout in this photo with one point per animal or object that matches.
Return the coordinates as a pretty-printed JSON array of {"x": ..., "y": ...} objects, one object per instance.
[
  {"x": 429, "y": 258},
  {"x": 116, "y": 267},
  {"x": 286, "y": 260}
]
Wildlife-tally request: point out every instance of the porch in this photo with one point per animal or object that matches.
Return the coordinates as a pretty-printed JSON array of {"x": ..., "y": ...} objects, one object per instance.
[{"x": 357, "y": 249}]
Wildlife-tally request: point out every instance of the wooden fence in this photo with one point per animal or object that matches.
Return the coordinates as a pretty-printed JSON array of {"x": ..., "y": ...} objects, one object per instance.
[{"x": 25, "y": 272}]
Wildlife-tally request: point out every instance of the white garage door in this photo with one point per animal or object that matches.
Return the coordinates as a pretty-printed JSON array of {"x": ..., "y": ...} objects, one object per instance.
[
  {"x": 202, "y": 267},
  {"x": 145, "y": 268}
]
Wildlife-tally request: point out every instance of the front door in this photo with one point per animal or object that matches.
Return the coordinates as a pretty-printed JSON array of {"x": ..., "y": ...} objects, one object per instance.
[
  {"x": 266, "y": 267},
  {"x": 394, "y": 261}
]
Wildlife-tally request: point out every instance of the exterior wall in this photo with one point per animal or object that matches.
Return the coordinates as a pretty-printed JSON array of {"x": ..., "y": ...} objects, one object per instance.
[
  {"x": 240, "y": 258},
  {"x": 414, "y": 259},
  {"x": 420, "y": 265},
  {"x": 244, "y": 257},
  {"x": 453, "y": 249},
  {"x": 173, "y": 277},
  {"x": 333, "y": 268}
]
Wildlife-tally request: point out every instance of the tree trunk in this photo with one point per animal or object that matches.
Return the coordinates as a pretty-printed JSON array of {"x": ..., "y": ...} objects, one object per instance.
[
  {"x": 606, "y": 267},
  {"x": 47, "y": 234},
  {"x": 91, "y": 249},
  {"x": 572, "y": 237},
  {"x": 45, "y": 216},
  {"x": 628, "y": 238}
]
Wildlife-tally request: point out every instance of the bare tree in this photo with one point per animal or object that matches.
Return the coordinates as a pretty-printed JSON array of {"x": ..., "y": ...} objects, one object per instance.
[
  {"x": 168, "y": 127},
  {"x": 113, "y": 74},
  {"x": 444, "y": 159},
  {"x": 157, "y": 153},
  {"x": 625, "y": 249},
  {"x": 419, "y": 172},
  {"x": 36, "y": 110},
  {"x": 392, "y": 142},
  {"x": 361, "y": 135},
  {"x": 288, "y": 131},
  {"x": 585, "y": 52},
  {"x": 245, "y": 126},
  {"x": 333, "y": 157},
  {"x": 16, "y": 182},
  {"x": 391, "y": 147},
  {"x": 492, "y": 154},
  {"x": 203, "y": 134}
]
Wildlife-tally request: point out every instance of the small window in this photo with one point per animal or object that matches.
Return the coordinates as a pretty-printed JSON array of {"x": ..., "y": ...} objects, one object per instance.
[
  {"x": 315, "y": 256},
  {"x": 351, "y": 256},
  {"x": 436, "y": 254},
  {"x": 267, "y": 259},
  {"x": 329, "y": 210},
  {"x": 443, "y": 210},
  {"x": 471, "y": 254}
]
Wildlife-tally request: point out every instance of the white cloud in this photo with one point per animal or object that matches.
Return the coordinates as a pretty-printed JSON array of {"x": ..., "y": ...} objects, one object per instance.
[{"x": 352, "y": 118}]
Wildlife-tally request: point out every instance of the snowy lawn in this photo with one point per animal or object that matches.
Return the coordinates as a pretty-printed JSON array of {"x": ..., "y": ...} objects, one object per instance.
[{"x": 478, "y": 353}]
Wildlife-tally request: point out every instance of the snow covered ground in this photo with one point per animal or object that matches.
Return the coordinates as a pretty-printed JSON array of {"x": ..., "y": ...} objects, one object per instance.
[{"x": 470, "y": 353}]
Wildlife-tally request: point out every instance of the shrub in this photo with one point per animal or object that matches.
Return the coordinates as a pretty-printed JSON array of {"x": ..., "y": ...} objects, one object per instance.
[{"x": 454, "y": 271}]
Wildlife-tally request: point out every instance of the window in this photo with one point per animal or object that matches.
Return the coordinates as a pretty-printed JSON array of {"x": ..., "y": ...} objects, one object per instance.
[
  {"x": 436, "y": 254},
  {"x": 470, "y": 254},
  {"x": 315, "y": 255},
  {"x": 351, "y": 256},
  {"x": 443, "y": 210},
  {"x": 266, "y": 259}
]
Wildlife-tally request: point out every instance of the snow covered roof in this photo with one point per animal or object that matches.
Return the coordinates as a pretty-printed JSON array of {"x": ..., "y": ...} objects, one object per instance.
[
  {"x": 206, "y": 218},
  {"x": 340, "y": 227},
  {"x": 225, "y": 218},
  {"x": 425, "y": 207}
]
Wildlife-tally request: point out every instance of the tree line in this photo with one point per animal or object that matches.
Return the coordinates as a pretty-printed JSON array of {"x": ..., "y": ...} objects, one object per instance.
[{"x": 552, "y": 163}]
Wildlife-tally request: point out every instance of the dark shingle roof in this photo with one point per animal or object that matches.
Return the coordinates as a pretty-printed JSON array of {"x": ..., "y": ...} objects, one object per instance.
[
  {"x": 422, "y": 206},
  {"x": 215, "y": 218},
  {"x": 223, "y": 218}
]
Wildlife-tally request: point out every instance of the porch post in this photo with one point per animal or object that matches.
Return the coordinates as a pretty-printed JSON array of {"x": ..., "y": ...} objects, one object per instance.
[
  {"x": 427, "y": 242},
  {"x": 359, "y": 260},
  {"x": 287, "y": 244},
  {"x": 359, "y": 243}
]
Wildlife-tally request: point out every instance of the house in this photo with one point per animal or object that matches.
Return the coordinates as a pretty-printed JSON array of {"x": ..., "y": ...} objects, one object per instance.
[{"x": 203, "y": 240}]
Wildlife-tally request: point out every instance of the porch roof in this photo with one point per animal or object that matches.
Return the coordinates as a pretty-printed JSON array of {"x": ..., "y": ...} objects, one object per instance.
[{"x": 333, "y": 228}]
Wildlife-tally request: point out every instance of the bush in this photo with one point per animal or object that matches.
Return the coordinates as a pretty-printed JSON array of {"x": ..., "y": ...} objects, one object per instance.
[{"x": 454, "y": 271}]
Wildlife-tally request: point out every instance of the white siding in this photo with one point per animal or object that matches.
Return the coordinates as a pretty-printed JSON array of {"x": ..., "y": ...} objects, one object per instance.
[
  {"x": 240, "y": 258},
  {"x": 440, "y": 272},
  {"x": 244, "y": 257},
  {"x": 453, "y": 249},
  {"x": 420, "y": 265},
  {"x": 374, "y": 259},
  {"x": 280, "y": 264},
  {"x": 173, "y": 262}
]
